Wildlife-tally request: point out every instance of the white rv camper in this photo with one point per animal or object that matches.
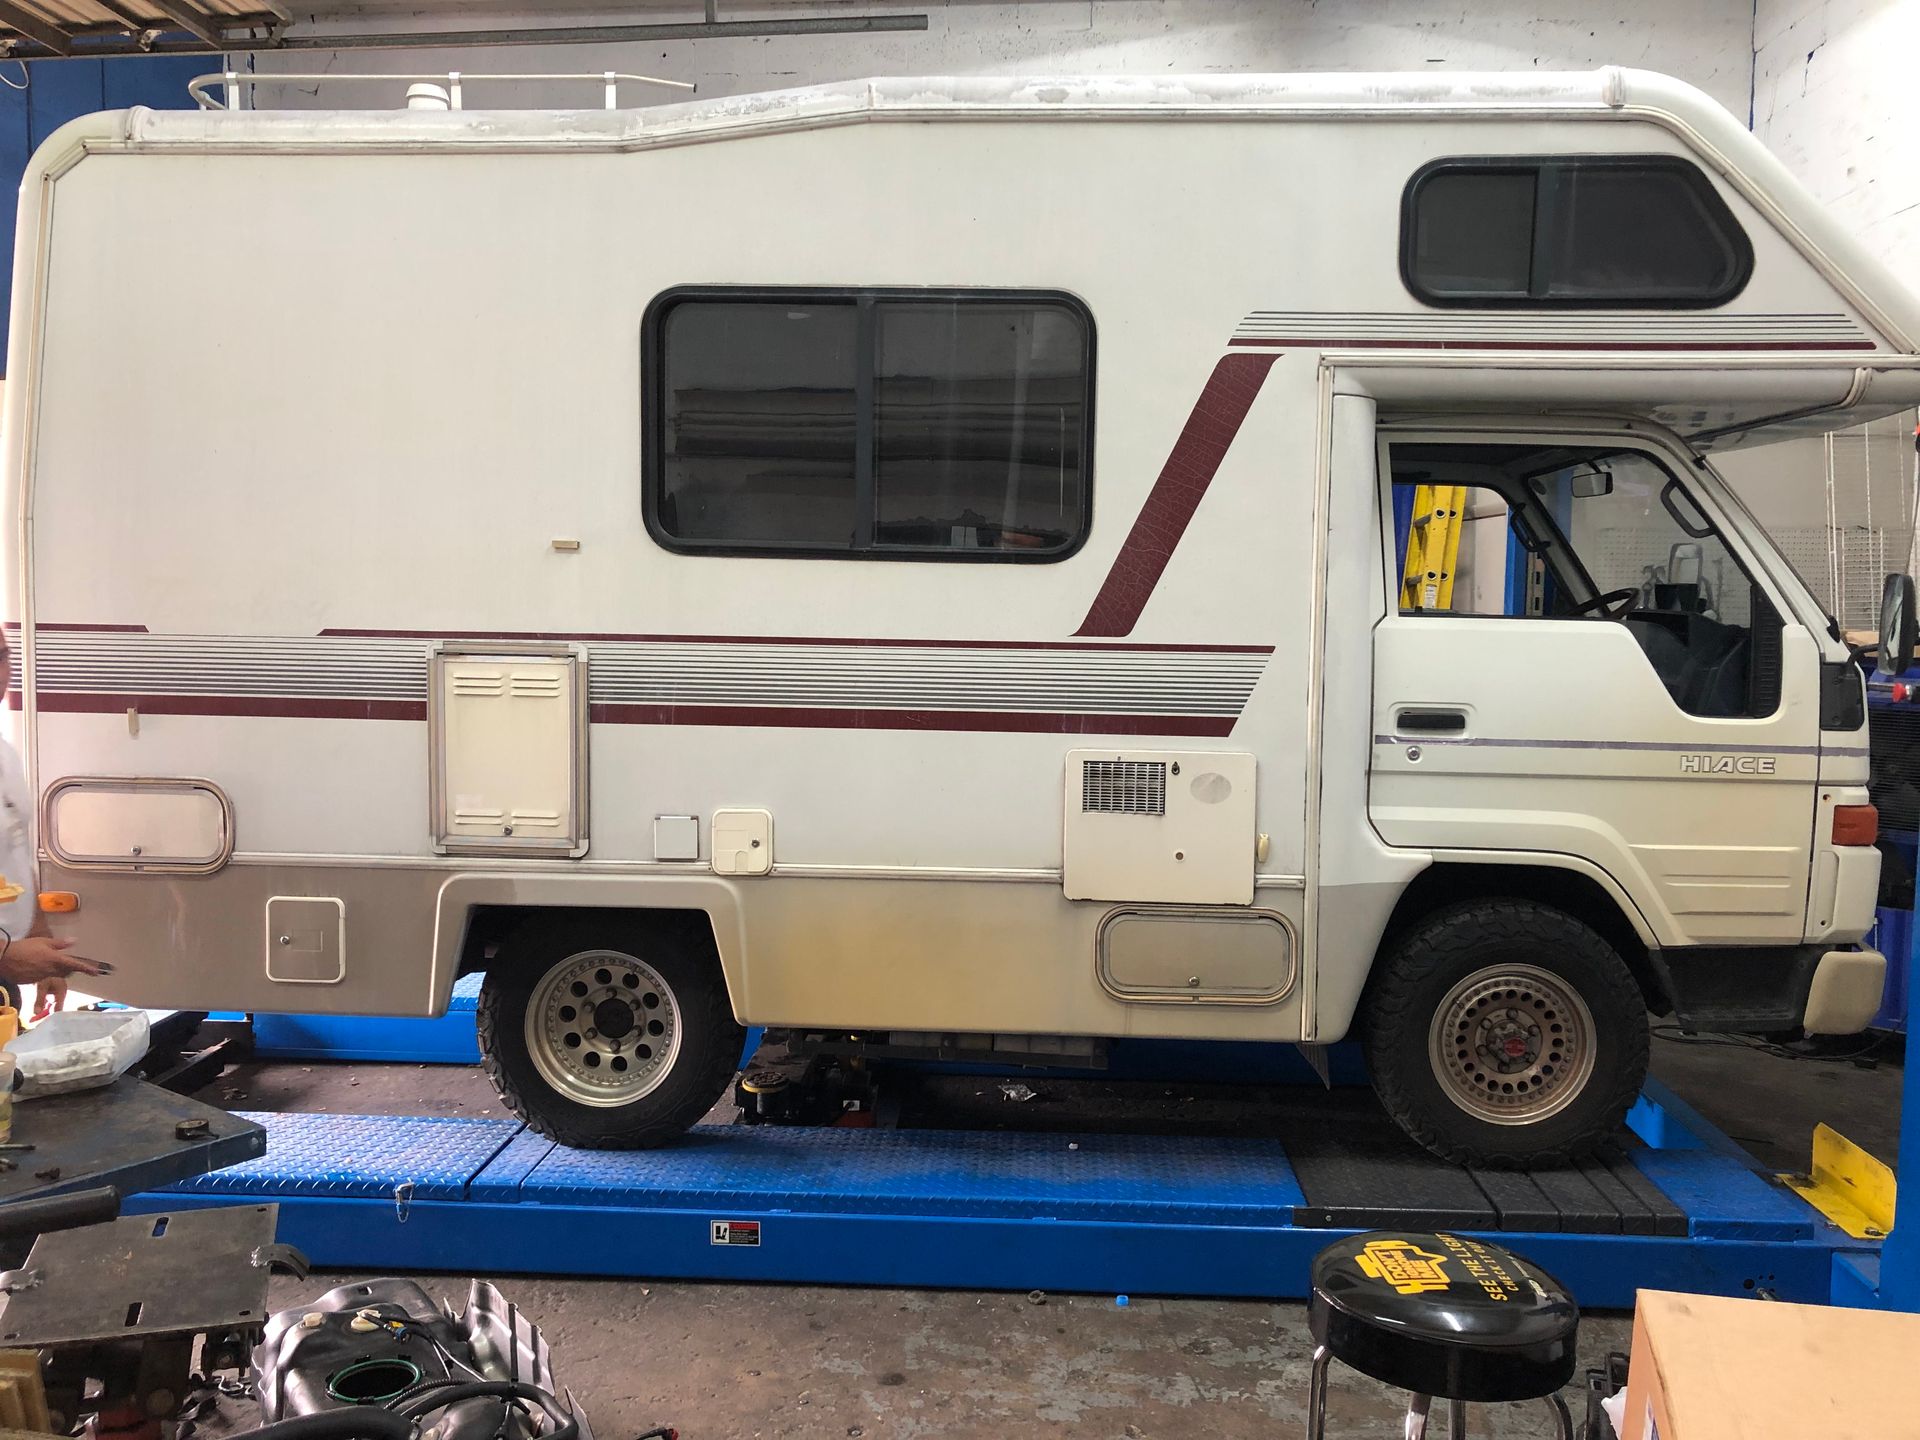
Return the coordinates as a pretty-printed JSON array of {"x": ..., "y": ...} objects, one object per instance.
[{"x": 1230, "y": 558}]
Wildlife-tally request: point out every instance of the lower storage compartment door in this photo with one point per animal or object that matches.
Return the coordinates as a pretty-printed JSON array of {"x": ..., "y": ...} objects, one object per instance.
[{"x": 1197, "y": 956}]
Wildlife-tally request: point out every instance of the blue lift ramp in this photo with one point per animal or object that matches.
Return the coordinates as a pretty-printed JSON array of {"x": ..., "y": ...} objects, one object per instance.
[
  {"x": 1091, "y": 1213},
  {"x": 443, "y": 1040}
]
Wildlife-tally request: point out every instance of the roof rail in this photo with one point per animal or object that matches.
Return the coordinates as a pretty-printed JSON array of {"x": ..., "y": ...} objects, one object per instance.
[{"x": 238, "y": 86}]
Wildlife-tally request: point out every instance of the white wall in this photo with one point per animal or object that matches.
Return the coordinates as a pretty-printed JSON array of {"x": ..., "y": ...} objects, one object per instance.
[
  {"x": 1834, "y": 97},
  {"x": 1704, "y": 41}
]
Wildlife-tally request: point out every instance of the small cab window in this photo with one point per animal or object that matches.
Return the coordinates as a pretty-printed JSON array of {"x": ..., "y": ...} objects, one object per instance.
[
  {"x": 1587, "y": 533},
  {"x": 1574, "y": 230},
  {"x": 902, "y": 424}
]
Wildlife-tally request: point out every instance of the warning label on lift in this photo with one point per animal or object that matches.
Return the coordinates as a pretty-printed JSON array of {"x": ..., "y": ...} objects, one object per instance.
[{"x": 736, "y": 1232}]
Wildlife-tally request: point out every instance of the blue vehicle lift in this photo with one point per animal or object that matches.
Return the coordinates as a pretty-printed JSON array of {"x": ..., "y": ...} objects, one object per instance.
[
  {"x": 1680, "y": 1207},
  {"x": 445, "y": 1040},
  {"x": 1893, "y": 725}
]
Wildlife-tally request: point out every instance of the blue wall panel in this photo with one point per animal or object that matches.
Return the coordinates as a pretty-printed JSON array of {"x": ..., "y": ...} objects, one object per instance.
[{"x": 57, "y": 91}]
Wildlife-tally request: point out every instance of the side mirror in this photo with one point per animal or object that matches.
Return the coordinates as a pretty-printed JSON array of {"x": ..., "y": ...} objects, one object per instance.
[{"x": 1897, "y": 625}]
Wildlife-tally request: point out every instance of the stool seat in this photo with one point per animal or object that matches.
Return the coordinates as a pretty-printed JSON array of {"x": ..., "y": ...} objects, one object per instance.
[{"x": 1443, "y": 1315}]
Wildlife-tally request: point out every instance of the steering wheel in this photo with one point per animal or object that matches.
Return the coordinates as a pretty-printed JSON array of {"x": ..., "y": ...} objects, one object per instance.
[{"x": 1623, "y": 598}]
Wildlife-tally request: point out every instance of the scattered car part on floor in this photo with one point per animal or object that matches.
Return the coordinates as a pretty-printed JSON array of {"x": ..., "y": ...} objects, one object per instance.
[
  {"x": 482, "y": 1373},
  {"x": 118, "y": 1309}
]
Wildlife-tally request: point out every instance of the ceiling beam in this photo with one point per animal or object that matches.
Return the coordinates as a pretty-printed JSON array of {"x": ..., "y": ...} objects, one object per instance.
[
  {"x": 43, "y": 33},
  {"x": 196, "y": 23},
  {"x": 136, "y": 25},
  {"x": 204, "y": 36},
  {"x": 598, "y": 34}
]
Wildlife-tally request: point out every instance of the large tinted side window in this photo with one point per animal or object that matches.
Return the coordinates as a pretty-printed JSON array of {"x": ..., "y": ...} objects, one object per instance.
[
  {"x": 913, "y": 424},
  {"x": 978, "y": 426},
  {"x": 1627, "y": 231},
  {"x": 757, "y": 410}
]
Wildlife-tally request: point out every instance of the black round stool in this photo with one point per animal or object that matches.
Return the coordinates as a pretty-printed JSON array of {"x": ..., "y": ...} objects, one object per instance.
[{"x": 1440, "y": 1316}]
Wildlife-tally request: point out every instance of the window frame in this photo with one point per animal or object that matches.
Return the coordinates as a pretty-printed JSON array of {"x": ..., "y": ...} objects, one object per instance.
[
  {"x": 1547, "y": 171},
  {"x": 866, "y": 299}
]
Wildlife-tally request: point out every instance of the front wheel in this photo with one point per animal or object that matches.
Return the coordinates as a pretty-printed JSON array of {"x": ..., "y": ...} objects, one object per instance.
[
  {"x": 1505, "y": 1033},
  {"x": 608, "y": 1033}
]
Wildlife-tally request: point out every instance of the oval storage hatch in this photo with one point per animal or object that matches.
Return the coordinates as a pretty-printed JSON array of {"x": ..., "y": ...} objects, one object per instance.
[
  {"x": 137, "y": 823},
  {"x": 1197, "y": 957}
]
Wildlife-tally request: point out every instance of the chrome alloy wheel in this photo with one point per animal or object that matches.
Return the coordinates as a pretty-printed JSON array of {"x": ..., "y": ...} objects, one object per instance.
[
  {"x": 1512, "y": 1044},
  {"x": 603, "y": 1028}
]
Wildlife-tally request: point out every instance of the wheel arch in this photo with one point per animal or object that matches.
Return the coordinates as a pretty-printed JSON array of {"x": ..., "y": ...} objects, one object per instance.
[
  {"x": 475, "y": 912},
  {"x": 1566, "y": 882}
]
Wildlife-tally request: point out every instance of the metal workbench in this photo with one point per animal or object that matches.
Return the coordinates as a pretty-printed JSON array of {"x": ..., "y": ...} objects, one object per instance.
[{"x": 130, "y": 1135}]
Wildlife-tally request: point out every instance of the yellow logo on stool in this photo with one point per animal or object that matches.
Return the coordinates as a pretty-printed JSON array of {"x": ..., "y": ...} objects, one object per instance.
[{"x": 1404, "y": 1265}]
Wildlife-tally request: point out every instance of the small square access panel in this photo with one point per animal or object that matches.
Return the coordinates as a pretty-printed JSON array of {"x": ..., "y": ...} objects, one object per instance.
[
  {"x": 742, "y": 842},
  {"x": 306, "y": 939},
  {"x": 676, "y": 837}
]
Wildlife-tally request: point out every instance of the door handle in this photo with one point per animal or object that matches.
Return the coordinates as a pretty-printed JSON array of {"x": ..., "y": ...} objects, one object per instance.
[{"x": 1429, "y": 721}]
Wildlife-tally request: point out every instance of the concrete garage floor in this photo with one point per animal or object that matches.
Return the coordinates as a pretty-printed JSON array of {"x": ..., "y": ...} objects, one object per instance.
[{"x": 825, "y": 1363}]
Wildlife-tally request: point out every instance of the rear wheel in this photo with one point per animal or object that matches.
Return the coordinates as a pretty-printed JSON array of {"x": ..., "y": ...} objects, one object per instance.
[
  {"x": 1505, "y": 1033},
  {"x": 608, "y": 1032}
]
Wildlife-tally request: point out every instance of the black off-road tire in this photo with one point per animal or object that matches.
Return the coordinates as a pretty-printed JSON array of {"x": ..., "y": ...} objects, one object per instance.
[
  {"x": 681, "y": 951},
  {"x": 1423, "y": 965}
]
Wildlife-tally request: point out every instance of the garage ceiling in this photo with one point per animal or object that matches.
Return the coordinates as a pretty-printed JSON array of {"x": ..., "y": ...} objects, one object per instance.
[{"x": 44, "y": 29}]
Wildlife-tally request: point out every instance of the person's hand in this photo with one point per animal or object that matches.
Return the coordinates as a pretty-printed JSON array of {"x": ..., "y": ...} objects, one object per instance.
[
  {"x": 48, "y": 996},
  {"x": 41, "y": 957}
]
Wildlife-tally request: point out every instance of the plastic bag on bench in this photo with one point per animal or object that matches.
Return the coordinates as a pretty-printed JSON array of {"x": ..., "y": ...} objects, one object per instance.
[{"x": 78, "y": 1050}]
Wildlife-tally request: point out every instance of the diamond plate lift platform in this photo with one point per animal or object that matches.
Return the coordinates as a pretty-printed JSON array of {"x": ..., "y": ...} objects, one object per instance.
[
  {"x": 1682, "y": 1209},
  {"x": 1678, "y": 1206}
]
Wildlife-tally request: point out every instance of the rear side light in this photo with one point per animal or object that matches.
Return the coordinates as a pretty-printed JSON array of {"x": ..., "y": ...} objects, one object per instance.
[
  {"x": 1855, "y": 824},
  {"x": 59, "y": 902}
]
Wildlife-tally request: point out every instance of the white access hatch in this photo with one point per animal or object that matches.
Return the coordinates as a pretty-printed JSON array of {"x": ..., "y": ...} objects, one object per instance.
[
  {"x": 509, "y": 751},
  {"x": 1160, "y": 825}
]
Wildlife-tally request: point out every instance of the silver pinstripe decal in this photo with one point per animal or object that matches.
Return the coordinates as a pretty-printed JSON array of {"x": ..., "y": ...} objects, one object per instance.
[{"x": 1670, "y": 746}]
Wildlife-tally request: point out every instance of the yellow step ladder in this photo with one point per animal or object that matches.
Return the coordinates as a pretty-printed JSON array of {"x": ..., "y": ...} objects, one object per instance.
[{"x": 1433, "y": 547}]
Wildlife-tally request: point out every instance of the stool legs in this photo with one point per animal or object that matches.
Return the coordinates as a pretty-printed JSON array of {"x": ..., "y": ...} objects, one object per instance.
[
  {"x": 1417, "y": 1408},
  {"x": 1317, "y": 1394}
]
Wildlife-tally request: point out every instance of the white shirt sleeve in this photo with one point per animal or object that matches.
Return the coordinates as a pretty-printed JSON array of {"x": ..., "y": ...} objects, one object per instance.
[{"x": 18, "y": 862}]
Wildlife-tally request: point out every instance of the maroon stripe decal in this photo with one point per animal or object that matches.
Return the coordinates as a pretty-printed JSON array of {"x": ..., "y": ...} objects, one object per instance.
[
  {"x": 611, "y": 637},
  {"x": 760, "y": 716},
  {"x": 84, "y": 629},
  {"x": 1635, "y": 345},
  {"x": 1176, "y": 494},
  {"x": 294, "y": 707},
  {"x": 1020, "y": 721}
]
